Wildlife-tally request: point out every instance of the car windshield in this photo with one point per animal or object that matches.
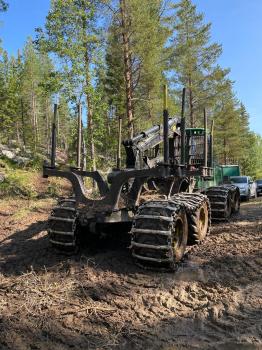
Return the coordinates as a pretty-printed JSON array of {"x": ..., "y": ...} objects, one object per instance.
[
  {"x": 239, "y": 180},
  {"x": 259, "y": 182}
]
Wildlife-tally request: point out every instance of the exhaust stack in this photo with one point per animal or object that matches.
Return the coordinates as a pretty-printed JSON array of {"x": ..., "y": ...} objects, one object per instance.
[
  {"x": 118, "y": 161},
  {"x": 212, "y": 145},
  {"x": 205, "y": 142}
]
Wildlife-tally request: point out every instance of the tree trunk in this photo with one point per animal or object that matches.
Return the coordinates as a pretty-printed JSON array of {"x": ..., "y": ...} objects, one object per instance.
[
  {"x": 89, "y": 101},
  {"x": 84, "y": 152},
  {"x": 128, "y": 68},
  {"x": 91, "y": 132},
  {"x": 47, "y": 113},
  {"x": 90, "y": 114},
  {"x": 23, "y": 122},
  {"x": 18, "y": 138},
  {"x": 35, "y": 121}
]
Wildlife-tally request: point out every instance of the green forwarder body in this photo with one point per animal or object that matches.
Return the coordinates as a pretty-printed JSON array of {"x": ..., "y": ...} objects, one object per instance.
[{"x": 222, "y": 174}]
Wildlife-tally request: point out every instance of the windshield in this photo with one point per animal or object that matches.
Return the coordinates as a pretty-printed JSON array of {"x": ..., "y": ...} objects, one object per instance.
[
  {"x": 259, "y": 182},
  {"x": 239, "y": 180}
]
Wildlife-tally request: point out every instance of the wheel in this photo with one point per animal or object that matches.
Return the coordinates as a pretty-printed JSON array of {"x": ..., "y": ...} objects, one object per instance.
[
  {"x": 228, "y": 208},
  {"x": 198, "y": 215},
  {"x": 63, "y": 227},
  {"x": 179, "y": 237},
  {"x": 220, "y": 198},
  {"x": 236, "y": 202},
  {"x": 199, "y": 224},
  {"x": 159, "y": 234}
]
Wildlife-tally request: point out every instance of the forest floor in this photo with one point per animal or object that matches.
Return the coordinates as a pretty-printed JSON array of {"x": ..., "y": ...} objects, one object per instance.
[{"x": 100, "y": 300}]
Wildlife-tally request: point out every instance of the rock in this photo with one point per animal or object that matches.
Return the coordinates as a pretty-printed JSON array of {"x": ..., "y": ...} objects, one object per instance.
[
  {"x": 2, "y": 177},
  {"x": 8, "y": 154},
  {"x": 3, "y": 147},
  {"x": 17, "y": 150},
  {"x": 21, "y": 160}
]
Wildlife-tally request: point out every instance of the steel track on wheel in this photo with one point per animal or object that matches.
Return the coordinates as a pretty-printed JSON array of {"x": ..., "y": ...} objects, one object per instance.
[
  {"x": 62, "y": 225},
  {"x": 151, "y": 242},
  {"x": 220, "y": 198},
  {"x": 192, "y": 203}
]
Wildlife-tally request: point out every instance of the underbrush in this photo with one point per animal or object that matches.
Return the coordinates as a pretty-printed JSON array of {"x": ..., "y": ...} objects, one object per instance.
[
  {"x": 28, "y": 183},
  {"x": 19, "y": 183}
]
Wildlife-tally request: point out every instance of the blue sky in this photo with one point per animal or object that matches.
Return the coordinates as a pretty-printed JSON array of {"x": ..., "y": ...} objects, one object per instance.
[{"x": 236, "y": 24}]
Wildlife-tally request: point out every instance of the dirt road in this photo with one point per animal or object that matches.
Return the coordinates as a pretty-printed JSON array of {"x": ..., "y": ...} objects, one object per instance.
[{"x": 100, "y": 300}]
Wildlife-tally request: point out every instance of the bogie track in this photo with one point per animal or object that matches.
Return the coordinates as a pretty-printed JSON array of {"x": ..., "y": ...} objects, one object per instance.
[
  {"x": 62, "y": 226},
  {"x": 224, "y": 201},
  {"x": 161, "y": 229},
  {"x": 159, "y": 234},
  {"x": 198, "y": 215}
]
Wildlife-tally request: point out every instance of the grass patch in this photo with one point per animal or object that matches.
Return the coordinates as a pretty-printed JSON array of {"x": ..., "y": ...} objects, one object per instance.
[
  {"x": 58, "y": 187},
  {"x": 34, "y": 206},
  {"x": 19, "y": 183},
  {"x": 29, "y": 184}
]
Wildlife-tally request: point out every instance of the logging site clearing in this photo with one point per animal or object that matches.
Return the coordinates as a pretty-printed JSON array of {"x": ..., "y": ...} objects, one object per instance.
[
  {"x": 130, "y": 175},
  {"x": 100, "y": 300}
]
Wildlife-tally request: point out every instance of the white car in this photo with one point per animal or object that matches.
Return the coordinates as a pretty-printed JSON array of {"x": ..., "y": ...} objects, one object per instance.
[{"x": 246, "y": 186}]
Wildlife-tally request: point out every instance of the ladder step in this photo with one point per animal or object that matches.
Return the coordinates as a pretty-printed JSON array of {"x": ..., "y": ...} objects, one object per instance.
[
  {"x": 64, "y": 208},
  {"x": 67, "y": 200},
  {"x": 145, "y": 258},
  {"x": 217, "y": 203},
  {"x": 66, "y": 244},
  {"x": 158, "y": 206},
  {"x": 150, "y": 246},
  {"x": 151, "y": 232},
  {"x": 60, "y": 219},
  {"x": 154, "y": 217},
  {"x": 68, "y": 233}
]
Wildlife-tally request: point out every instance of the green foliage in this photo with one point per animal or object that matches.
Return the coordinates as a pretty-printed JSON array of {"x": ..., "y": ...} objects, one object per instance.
[
  {"x": 146, "y": 39},
  {"x": 27, "y": 183},
  {"x": 3, "y": 6},
  {"x": 193, "y": 60},
  {"x": 57, "y": 188},
  {"x": 85, "y": 39},
  {"x": 18, "y": 183}
]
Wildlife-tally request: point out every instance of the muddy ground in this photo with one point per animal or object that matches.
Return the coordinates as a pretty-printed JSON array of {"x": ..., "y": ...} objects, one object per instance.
[{"x": 100, "y": 300}]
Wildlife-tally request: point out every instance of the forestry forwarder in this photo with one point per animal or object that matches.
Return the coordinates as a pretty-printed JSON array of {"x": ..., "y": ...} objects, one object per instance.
[{"x": 165, "y": 202}]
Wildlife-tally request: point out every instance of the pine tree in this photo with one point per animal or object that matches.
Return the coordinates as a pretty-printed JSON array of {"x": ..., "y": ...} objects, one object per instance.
[
  {"x": 135, "y": 62},
  {"x": 31, "y": 90},
  {"x": 193, "y": 59},
  {"x": 71, "y": 33}
]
